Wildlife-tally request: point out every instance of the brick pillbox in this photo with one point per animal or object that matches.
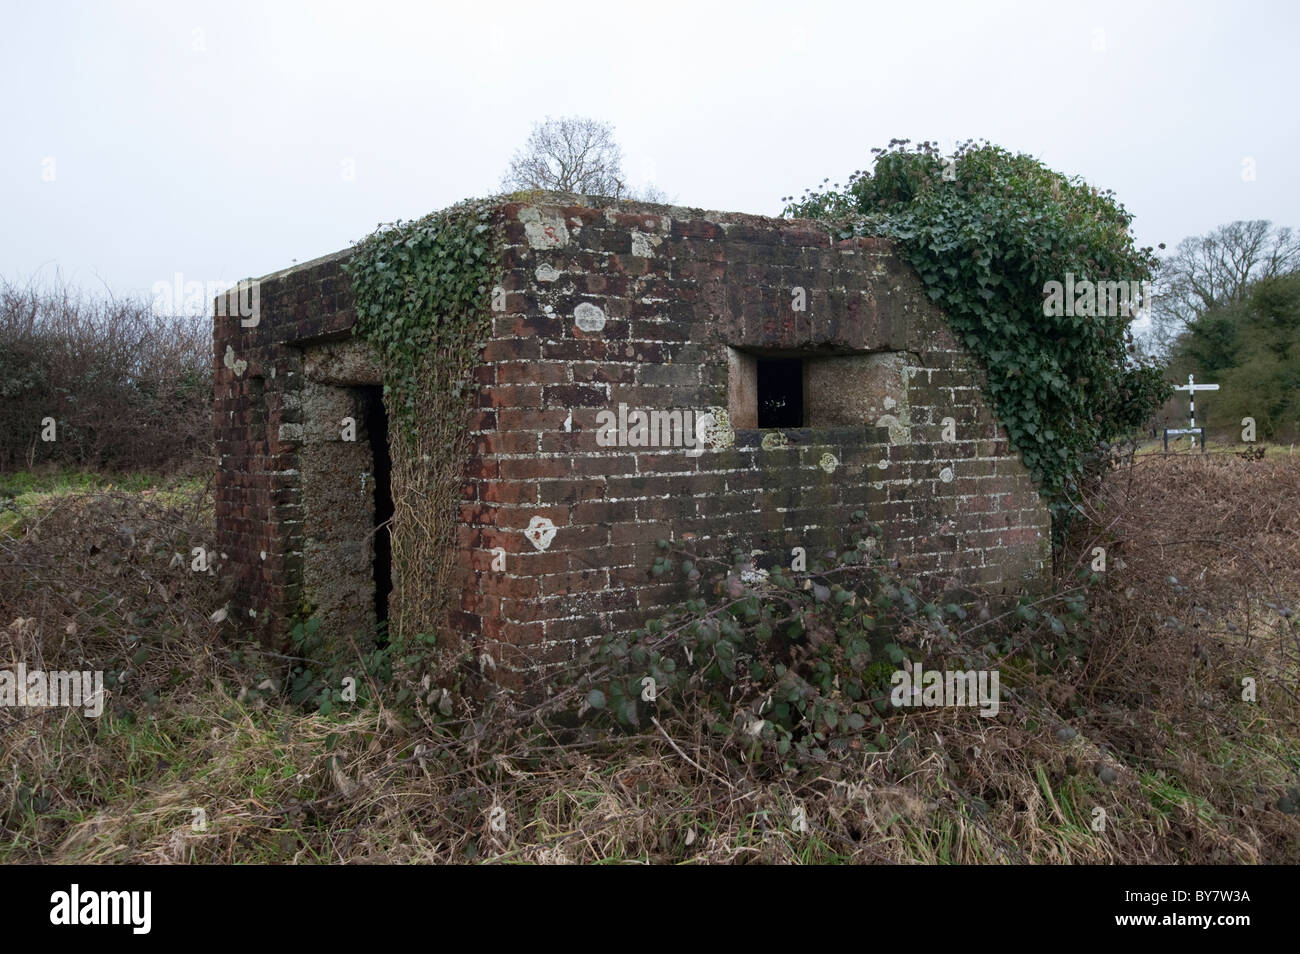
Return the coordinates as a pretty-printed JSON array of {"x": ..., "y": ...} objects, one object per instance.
[{"x": 613, "y": 308}]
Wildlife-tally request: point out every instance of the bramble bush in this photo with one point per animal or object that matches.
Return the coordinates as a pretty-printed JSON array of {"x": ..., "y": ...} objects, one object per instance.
[{"x": 791, "y": 668}]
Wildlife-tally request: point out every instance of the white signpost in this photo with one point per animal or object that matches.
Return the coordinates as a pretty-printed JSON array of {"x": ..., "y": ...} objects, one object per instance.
[{"x": 1191, "y": 387}]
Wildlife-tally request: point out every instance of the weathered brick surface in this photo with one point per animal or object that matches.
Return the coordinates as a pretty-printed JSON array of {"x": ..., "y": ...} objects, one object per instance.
[
  {"x": 258, "y": 420},
  {"x": 682, "y": 293}
]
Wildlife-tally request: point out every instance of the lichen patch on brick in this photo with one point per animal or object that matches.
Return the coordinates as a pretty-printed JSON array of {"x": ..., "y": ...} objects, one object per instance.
[
  {"x": 644, "y": 245},
  {"x": 238, "y": 365},
  {"x": 543, "y": 231},
  {"x": 588, "y": 317}
]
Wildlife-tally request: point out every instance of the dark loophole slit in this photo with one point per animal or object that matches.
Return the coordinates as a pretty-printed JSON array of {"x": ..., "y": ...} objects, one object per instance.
[{"x": 780, "y": 392}]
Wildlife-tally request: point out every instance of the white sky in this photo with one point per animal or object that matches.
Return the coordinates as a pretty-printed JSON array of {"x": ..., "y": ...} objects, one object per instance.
[{"x": 211, "y": 139}]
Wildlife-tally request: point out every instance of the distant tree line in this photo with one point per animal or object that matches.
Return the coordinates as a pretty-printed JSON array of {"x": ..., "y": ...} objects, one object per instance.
[{"x": 1228, "y": 310}]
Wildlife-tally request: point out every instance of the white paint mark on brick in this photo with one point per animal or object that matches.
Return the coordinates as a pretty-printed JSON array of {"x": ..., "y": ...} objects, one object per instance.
[{"x": 540, "y": 532}]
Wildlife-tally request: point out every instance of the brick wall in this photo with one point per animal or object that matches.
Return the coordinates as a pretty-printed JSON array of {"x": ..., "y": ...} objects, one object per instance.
[
  {"x": 259, "y": 432},
  {"x": 659, "y": 309}
]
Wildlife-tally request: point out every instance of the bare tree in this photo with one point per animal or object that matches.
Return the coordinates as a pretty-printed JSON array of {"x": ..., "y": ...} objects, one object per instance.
[
  {"x": 569, "y": 154},
  {"x": 574, "y": 154},
  {"x": 1216, "y": 269}
]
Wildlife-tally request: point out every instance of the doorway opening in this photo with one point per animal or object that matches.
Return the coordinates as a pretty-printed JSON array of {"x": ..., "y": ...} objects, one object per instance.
[{"x": 376, "y": 425}]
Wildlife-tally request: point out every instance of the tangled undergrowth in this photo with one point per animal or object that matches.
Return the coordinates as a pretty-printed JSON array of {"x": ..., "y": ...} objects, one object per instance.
[{"x": 1122, "y": 736}]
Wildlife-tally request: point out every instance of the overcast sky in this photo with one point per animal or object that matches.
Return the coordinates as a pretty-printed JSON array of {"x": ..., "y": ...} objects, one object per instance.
[{"x": 226, "y": 140}]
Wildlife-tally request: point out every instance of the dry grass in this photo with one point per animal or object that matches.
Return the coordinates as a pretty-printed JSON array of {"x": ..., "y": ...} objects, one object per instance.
[{"x": 1141, "y": 718}]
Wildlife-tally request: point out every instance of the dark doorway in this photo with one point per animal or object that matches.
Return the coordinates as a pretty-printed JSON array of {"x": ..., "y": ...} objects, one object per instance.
[
  {"x": 376, "y": 424},
  {"x": 780, "y": 392}
]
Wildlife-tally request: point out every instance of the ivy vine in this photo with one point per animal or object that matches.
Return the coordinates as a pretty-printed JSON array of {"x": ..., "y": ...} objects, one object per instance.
[
  {"x": 986, "y": 231},
  {"x": 422, "y": 291}
]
